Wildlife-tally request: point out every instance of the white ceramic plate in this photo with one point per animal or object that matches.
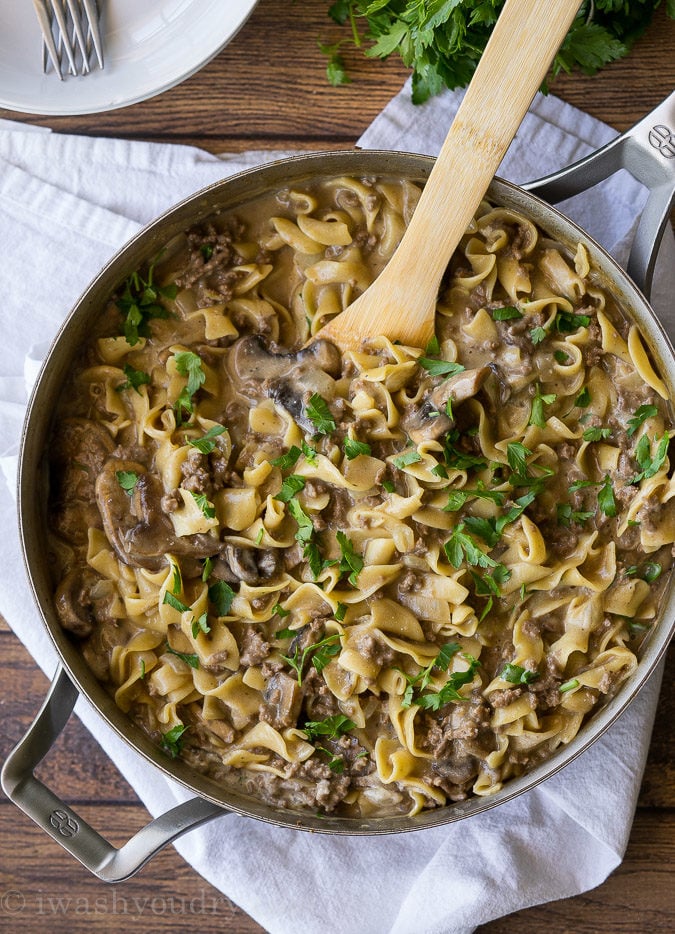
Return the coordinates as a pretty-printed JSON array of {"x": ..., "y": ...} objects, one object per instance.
[{"x": 149, "y": 46}]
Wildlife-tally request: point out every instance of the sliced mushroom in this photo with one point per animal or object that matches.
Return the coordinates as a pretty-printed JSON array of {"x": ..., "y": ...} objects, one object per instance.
[
  {"x": 74, "y": 603},
  {"x": 283, "y": 699},
  {"x": 430, "y": 420},
  {"x": 251, "y": 565},
  {"x": 289, "y": 379},
  {"x": 137, "y": 526}
]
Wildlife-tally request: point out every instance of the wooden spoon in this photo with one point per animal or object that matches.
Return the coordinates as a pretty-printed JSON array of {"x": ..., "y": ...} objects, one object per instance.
[{"x": 401, "y": 303}]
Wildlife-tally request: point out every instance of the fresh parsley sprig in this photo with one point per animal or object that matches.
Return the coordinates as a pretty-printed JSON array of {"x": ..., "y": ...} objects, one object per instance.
[
  {"x": 140, "y": 301},
  {"x": 320, "y": 653},
  {"x": 320, "y": 415},
  {"x": 442, "y": 42}
]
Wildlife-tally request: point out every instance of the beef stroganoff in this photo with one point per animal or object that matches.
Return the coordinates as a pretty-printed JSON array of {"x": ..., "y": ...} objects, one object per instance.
[{"x": 371, "y": 582}]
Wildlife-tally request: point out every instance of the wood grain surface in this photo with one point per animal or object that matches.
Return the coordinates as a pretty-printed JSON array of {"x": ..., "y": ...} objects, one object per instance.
[{"x": 267, "y": 90}]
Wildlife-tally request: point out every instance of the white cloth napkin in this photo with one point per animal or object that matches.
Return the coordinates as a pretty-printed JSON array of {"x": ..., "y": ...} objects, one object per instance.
[{"x": 66, "y": 204}]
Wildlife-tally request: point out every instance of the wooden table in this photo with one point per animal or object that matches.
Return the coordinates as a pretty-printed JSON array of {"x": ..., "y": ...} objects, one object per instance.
[{"x": 267, "y": 90}]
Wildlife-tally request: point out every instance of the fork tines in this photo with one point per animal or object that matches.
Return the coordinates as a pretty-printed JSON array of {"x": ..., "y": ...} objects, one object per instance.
[{"x": 71, "y": 37}]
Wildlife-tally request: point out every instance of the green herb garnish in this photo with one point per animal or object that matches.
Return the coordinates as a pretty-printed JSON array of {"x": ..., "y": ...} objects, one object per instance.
[
  {"x": 355, "y": 448},
  {"x": 538, "y": 403},
  {"x": 207, "y": 443},
  {"x": 507, "y": 313},
  {"x": 134, "y": 379},
  {"x": 172, "y": 740},
  {"x": 190, "y": 365},
  {"x": 596, "y": 434},
  {"x": 606, "y": 500},
  {"x": 650, "y": 464},
  {"x": 515, "y": 674},
  {"x": 321, "y": 653},
  {"x": 290, "y": 487},
  {"x": 320, "y": 415},
  {"x": 569, "y": 685},
  {"x": 221, "y": 596},
  {"x": 207, "y": 508},
  {"x": 200, "y": 624},
  {"x": 640, "y": 416},
  {"x": 333, "y": 727},
  {"x": 173, "y": 601},
  {"x": 127, "y": 479},
  {"x": 411, "y": 456},
  {"x": 439, "y": 367},
  {"x": 351, "y": 563},
  {"x": 189, "y": 659},
  {"x": 140, "y": 302}
]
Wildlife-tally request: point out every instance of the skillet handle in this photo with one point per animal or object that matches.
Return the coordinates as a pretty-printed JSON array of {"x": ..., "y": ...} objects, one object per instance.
[
  {"x": 64, "y": 825},
  {"x": 647, "y": 151}
]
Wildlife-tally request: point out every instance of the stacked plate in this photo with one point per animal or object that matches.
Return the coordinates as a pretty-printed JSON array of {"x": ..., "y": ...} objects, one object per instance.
[{"x": 149, "y": 47}]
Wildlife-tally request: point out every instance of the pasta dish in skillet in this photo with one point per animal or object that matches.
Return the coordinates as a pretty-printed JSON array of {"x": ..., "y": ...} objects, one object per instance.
[{"x": 372, "y": 582}]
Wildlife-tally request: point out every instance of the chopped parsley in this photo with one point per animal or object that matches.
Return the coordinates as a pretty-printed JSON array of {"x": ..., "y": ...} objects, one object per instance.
[
  {"x": 411, "y": 456},
  {"x": 188, "y": 364},
  {"x": 127, "y": 479},
  {"x": 134, "y": 379},
  {"x": 290, "y": 487},
  {"x": 515, "y": 674},
  {"x": 207, "y": 508},
  {"x": 583, "y": 400},
  {"x": 439, "y": 367},
  {"x": 507, "y": 313},
  {"x": 207, "y": 443},
  {"x": 140, "y": 302},
  {"x": 189, "y": 659},
  {"x": 606, "y": 500},
  {"x": 516, "y": 455},
  {"x": 351, "y": 563},
  {"x": 461, "y": 547},
  {"x": 450, "y": 690},
  {"x": 650, "y": 464},
  {"x": 568, "y": 516},
  {"x": 174, "y": 602},
  {"x": 537, "y": 335},
  {"x": 320, "y": 415},
  {"x": 538, "y": 403},
  {"x": 321, "y": 653},
  {"x": 596, "y": 434},
  {"x": 172, "y": 740},
  {"x": 206, "y": 570},
  {"x": 289, "y": 459},
  {"x": 279, "y": 611},
  {"x": 354, "y": 448},
  {"x": 567, "y": 323},
  {"x": 221, "y": 596},
  {"x": 200, "y": 624},
  {"x": 332, "y": 727},
  {"x": 640, "y": 416},
  {"x": 421, "y": 680},
  {"x": 457, "y": 498},
  {"x": 340, "y": 611}
]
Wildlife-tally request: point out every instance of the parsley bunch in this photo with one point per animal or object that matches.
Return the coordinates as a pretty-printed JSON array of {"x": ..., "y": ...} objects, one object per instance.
[{"x": 442, "y": 40}]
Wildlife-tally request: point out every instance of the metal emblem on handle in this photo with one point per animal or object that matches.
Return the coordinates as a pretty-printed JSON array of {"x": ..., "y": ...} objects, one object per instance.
[
  {"x": 66, "y": 825},
  {"x": 663, "y": 139}
]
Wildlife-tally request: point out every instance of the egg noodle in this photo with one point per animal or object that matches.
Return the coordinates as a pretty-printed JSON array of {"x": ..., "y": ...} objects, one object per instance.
[{"x": 368, "y": 582}]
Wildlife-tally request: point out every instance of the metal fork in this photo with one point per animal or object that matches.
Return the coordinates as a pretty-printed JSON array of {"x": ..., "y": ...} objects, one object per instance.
[{"x": 70, "y": 34}]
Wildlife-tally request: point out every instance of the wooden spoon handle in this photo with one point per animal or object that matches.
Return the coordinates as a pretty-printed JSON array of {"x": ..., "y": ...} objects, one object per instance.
[{"x": 516, "y": 59}]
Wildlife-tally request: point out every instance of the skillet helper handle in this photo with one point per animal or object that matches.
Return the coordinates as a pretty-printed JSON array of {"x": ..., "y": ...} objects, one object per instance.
[
  {"x": 65, "y": 826},
  {"x": 647, "y": 151}
]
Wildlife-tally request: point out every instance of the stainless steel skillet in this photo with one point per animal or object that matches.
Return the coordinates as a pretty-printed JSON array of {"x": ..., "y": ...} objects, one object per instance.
[{"x": 648, "y": 151}]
